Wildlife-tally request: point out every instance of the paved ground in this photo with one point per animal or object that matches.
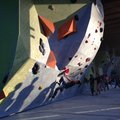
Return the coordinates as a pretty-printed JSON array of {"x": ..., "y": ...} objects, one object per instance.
[{"x": 105, "y": 106}]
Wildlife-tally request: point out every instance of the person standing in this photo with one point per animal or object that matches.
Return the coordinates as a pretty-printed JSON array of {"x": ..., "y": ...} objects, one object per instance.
[
  {"x": 117, "y": 81},
  {"x": 92, "y": 84}
]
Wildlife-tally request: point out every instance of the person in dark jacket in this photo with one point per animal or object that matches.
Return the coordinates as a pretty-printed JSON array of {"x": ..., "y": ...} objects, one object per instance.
[
  {"x": 117, "y": 81},
  {"x": 65, "y": 82},
  {"x": 92, "y": 84}
]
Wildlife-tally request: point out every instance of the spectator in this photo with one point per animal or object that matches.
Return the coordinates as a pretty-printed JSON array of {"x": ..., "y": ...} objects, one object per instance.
[
  {"x": 106, "y": 81},
  {"x": 102, "y": 83},
  {"x": 98, "y": 84},
  {"x": 117, "y": 81},
  {"x": 92, "y": 84}
]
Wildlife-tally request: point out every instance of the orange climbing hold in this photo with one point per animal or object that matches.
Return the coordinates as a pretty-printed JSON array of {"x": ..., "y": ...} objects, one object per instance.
[
  {"x": 47, "y": 26},
  {"x": 51, "y": 62},
  {"x": 67, "y": 28}
]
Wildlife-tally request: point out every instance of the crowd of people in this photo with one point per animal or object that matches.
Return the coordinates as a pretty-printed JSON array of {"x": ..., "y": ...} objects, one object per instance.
[{"x": 102, "y": 83}]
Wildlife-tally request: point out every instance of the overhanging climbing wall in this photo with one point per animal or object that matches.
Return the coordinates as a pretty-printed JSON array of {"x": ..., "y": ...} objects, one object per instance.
[{"x": 78, "y": 49}]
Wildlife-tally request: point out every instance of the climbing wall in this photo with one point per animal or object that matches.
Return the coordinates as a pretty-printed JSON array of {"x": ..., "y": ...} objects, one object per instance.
[
  {"x": 20, "y": 67},
  {"x": 35, "y": 36},
  {"x": 75, "y": 47},
  {"x": 90, "y": 43},
  {"x": 77, "y": 41},
  {"x": 66, "y": 47},
  {"x": 34, "y": 91}
]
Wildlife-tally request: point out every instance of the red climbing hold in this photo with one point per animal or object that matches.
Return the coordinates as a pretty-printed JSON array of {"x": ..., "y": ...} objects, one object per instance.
[
  {"x": 88, "y": 59},
  {"x": 47, "y": 25}
]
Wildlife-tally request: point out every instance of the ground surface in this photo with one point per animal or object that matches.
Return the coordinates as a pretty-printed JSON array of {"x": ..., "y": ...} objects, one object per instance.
[{"x": 105, "y": 106}]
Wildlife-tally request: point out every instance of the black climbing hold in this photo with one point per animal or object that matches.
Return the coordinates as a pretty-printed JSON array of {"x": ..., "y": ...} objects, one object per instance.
[
  {"x": 86, "y": 66},
  {"x": 101, "y": 39},
  {"x": 101, "y": 29},
  {"x": 70, "y": 58},
  {"x": 76, "y": 17}
]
